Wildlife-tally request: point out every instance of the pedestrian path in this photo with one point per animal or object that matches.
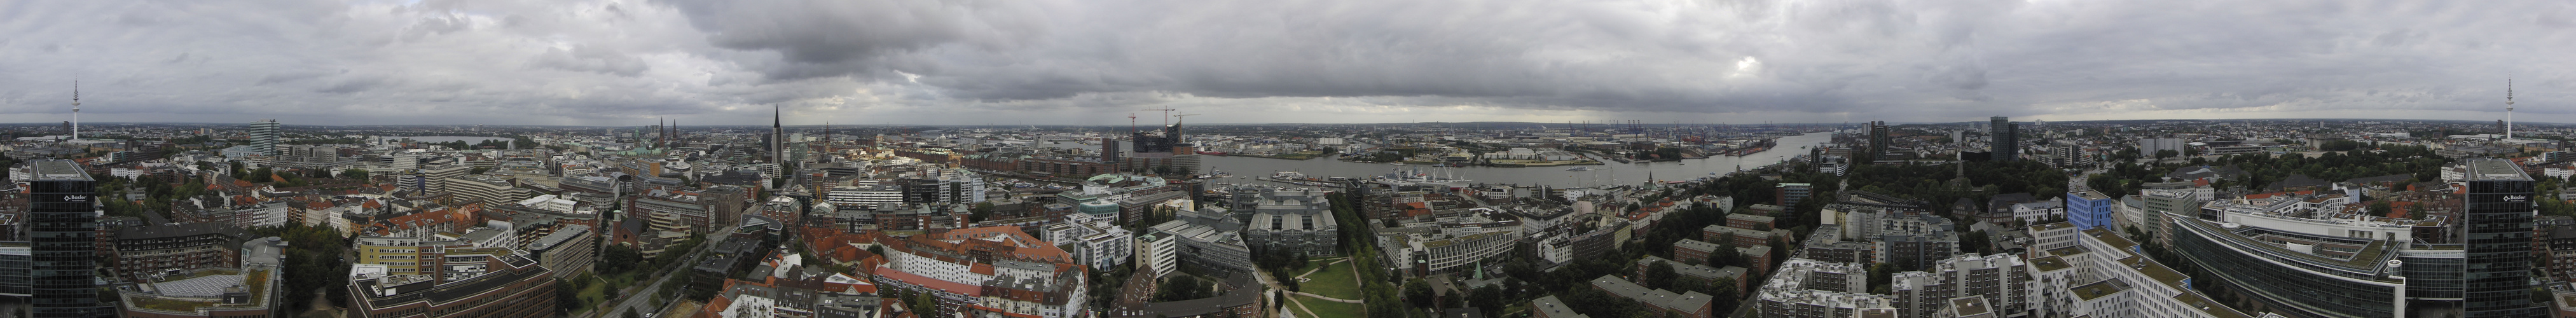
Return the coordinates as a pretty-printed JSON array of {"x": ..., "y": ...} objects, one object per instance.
[
  {"x": 1326, "y": 298},
  {"x": 1321, "y": 268}
]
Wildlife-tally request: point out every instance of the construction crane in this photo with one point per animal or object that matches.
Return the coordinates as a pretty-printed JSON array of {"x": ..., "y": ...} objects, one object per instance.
[
  {"x": 1183, "y": 115},
  {"x": 1167, "y": 113},
  {"x": 1131, "y": 123}
]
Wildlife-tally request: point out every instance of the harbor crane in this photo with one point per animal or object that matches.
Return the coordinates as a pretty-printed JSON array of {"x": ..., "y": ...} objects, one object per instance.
[{"x": 1167, "y": 113}]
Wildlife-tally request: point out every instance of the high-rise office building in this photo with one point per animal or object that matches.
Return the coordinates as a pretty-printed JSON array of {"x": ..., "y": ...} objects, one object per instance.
[
  {"x": 2497, "y": 228},
  {"x": 1109, "y": 150},
  {"x": 263, "y": 137},
  {"x": 2007, "y": 139},
  {"x": 1878, "y": 139},
  {"x": 777, "y": 135},
  {"x": 61, "y": 223}
]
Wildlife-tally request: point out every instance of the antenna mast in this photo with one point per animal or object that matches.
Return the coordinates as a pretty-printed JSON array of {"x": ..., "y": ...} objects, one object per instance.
[
  {"x": 2508, "y": 108},
  {"x": 76, "y": 109}
]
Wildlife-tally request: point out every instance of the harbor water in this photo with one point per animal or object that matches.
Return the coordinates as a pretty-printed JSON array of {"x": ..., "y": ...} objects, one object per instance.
[{"x": 1248, "y": 169}]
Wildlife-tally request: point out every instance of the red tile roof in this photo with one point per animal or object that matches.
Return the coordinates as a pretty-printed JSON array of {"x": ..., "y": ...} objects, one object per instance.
[{"x": 925, "y": 281}]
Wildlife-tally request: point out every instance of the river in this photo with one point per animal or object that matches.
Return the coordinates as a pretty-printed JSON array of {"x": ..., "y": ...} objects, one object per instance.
[
  {"x": 467, "y": 139},
  {"x": 1246, "y": 169}
]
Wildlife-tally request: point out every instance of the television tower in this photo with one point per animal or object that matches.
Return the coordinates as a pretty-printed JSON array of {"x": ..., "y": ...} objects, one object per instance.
[
  {"x": 76, "y": 109},
  {"x": 2508, "y": 108}
]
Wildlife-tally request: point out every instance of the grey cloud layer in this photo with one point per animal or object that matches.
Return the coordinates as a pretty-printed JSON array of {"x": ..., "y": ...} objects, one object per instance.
[{"x": 598, "y": 62}]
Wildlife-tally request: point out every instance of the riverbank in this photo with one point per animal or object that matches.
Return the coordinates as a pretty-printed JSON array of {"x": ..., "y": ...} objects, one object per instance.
[
  {"x": 1301, "y": 155},
  {"x": 1604, "y": 174},
  {"x": 1539, "y": 163}
]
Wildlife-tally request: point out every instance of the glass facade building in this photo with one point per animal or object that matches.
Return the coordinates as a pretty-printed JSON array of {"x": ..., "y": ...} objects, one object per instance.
[
  {"x": 15, "y": 260},
  {"x": 263, "y": 137},
  {"x": 2497, "y": 229},
  {"x": 2433, "y": 271},
  {"x": 2007, "y": 138},
  {"x": 2297, "y": 283},
  {"x": 61, "y": 223}
]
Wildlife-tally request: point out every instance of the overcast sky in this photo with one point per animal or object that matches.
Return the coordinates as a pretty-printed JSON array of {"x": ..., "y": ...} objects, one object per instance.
[{"x": 1012, "y": 62}]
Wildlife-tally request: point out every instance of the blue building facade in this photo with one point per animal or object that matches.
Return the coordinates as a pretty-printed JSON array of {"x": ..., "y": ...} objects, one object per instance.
[{"x": 2090, "y": 209}]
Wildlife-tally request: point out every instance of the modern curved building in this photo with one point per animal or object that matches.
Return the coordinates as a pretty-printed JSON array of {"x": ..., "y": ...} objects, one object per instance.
[{"x": 2296, "y": 274}]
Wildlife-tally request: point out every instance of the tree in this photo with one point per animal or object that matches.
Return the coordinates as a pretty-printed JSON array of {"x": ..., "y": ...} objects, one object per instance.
[
  {"x": 567, "y": 297},
  {"x": 1880, "y": 275},
  {"x": 1975, "y": 242},
  {"x": 982, "y": 211},
  {"x": 260, "y": 175},
  {"x": 1659, "y": 275},
  {"x": 1417, "y": 293},
  {"x": 354, "y": 174},
  {"x": 1488, "y": 298},
  {"x": 618, "y": 259},
  {"x": 1728, "y": 255},
  {"x": 1690, "y": 284},
  {"x": 1181, "y": 287},
  {"x": 1724, "y": 289},
  {"x": 312, "y": 262},
  {"x": 924, "y": 304}
]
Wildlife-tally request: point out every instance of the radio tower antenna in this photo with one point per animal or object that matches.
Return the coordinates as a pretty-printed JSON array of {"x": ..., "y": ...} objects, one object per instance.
[
  {"x": 2508, "y": 108},
  {"x": 75, "y": 109}
]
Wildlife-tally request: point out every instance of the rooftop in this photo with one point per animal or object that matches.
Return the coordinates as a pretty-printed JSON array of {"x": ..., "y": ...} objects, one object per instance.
[
  {"x": 1969, "y": 306},
  {"x": 2157, "y": 271},
  {"x": 2051, "y": 263},
  {"x": 1551, "y": 307},
  {"x": 2368, "y": 259},
  {"x": 1695, "y": 245},
  {"x": 2067, "y": 251},
  {"x": 60, "y": 170},
  {"x": 1749, "y": 216},
  {"x": 2207, "y": 306},
  {"x": 181, "y": 230},
  {"x": 2090, "y": 195},
  {"x": 2107, "y": 238},
  {"x": 2098, "y": 289},
  {"x": 202, "y": 286},
  {"x": 2051, "y": 226},
  {"x": 2496, "y": 170}
]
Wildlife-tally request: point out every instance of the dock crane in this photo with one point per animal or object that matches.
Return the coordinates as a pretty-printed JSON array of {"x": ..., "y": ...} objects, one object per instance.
[{"x": 1167, "y": 113}]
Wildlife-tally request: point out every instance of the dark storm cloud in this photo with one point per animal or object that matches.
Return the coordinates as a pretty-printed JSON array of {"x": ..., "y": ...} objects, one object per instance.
[
  {"x": 621, "y": 61},
  {"x": 1657, "y": 56}
]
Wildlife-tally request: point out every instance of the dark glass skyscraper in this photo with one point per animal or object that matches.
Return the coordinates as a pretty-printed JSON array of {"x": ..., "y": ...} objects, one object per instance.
[
  {"x": 2497, "y": 228},
  {"x": 61, "y": 221},
  {"x": 2007, "y": 139},
  {"x": 263, "y": 137},
  {"x": 1878, "y": 140}
]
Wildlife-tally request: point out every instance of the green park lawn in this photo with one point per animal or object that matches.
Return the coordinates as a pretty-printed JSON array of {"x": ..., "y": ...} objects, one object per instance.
[
  {"x": 1332, "y": 309},
  {"x": 1336, "y": 281}
]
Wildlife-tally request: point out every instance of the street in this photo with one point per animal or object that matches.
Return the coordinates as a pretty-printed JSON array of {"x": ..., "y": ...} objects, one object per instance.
[{"x": 641, "y": 299}]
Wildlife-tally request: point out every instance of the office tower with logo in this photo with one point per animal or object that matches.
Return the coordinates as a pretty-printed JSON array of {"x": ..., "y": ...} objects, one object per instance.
[
  {"x": 61, "y": 226},
  {"x": 2497, "y": 228}
]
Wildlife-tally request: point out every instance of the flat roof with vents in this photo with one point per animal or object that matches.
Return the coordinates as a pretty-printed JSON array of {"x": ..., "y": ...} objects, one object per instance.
[
  {"x": 2496, "y": 170},
  {"x": 60, "y": 170}
]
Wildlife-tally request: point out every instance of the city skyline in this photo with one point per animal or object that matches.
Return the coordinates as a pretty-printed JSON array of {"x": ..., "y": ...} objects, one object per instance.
[{"x": 620, "y": 62}]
